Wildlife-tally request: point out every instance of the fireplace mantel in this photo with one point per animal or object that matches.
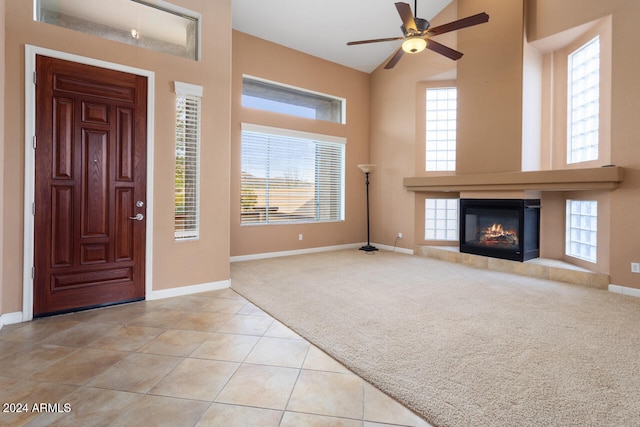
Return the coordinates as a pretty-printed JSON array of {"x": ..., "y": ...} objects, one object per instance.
[{"x": 603, "y": 178}]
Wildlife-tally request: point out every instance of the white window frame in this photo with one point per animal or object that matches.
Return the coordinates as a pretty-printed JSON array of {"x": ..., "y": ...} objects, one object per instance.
[
  {"x": 440, "y": 129},
  {"x": 261, "y": 217},
  {"x": 189, "y": 227}
]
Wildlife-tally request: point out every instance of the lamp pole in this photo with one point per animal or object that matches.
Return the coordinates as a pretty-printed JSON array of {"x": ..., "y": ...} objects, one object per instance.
[{"x": 367, "y": 169}]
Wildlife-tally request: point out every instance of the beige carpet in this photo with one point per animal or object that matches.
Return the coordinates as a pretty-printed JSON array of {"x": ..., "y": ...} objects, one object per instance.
[{"x": 461, "y": 346}]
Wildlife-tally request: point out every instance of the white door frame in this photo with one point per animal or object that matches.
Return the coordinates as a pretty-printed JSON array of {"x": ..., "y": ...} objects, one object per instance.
[{"x": 29, "y": 163}]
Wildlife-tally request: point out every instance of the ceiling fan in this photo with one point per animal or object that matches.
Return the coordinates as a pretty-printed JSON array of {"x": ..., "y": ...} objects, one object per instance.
[{"x": 417, "y": 34}]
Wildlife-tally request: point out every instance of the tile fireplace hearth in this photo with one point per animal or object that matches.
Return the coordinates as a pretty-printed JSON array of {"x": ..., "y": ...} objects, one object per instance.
[{"x": 541, "y": 268}]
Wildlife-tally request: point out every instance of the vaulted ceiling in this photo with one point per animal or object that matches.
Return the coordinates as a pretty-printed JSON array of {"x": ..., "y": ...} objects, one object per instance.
[
  {"x": 319, "y": 28},
  {"x": 322, "y": 28}
]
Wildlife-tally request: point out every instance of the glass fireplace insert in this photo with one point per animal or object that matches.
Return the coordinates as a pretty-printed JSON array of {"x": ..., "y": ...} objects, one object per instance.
[{"x": 500, "y": 228}]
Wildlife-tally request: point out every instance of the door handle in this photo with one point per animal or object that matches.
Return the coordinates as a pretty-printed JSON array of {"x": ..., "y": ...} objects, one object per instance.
[{"x": 138, "y": 217}]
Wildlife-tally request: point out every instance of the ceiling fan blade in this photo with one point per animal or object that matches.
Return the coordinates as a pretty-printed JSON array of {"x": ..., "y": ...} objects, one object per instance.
[
  {"x": 389, "y": 39},
  {"x": 407, "y": 17},
  {"x": 394, "y": 60},
  {"x": 443, "y": 50},
  {"x": 469, "y": 21}
]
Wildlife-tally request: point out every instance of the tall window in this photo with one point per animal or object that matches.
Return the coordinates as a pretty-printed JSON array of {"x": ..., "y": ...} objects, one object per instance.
[
  {"x": 187, "y": 162},
  {"x": 584, "y": 103},
  {"x": 441, "y": 219},
  {"x": 582, "y": 229},
  {"x": 441, "y": 129},
  {"x": 290, "y": 177},
  {"x": 575, "y": 95}
]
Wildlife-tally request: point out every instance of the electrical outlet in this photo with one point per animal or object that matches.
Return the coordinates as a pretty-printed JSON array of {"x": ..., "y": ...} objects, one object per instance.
[
  {"x": 399, "y": 235},
  {"x": 635, "y": 267},
  {"x": 299, "y": 236}
]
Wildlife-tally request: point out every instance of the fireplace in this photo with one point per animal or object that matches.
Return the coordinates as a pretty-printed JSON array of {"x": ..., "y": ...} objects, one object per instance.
[{"x": 500, "y": 228}]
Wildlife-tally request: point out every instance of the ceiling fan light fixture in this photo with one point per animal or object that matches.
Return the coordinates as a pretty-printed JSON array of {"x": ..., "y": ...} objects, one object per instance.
[{"x": 414, "y": 44}]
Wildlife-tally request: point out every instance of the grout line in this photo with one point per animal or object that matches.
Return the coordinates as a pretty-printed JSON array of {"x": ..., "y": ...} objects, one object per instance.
[{"x": 90, "y": 320}]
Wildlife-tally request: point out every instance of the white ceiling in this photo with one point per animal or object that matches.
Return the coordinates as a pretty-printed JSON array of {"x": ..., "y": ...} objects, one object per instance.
[{"x": 322, "y": 28}]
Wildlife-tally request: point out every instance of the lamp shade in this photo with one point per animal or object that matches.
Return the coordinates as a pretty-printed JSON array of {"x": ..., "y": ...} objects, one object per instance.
[
  {"x": 414, "y": 44},
  {"x": 367, "y": 168}
]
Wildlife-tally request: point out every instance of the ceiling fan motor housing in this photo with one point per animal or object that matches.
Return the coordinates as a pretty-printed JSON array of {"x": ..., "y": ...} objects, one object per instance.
[{"x": 422, "y": 24}]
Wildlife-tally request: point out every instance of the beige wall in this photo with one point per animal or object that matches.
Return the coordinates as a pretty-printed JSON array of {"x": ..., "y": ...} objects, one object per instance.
[
  {"x": 490, "y": 121},
  {"x": 549, "y": 17},
  {"x": 174, "y": 264},
  {"x": 395, "y": 106},
  {"x": 489, "y": 81},
  {"x": 490, "y": 90},
  {"x": 2, "y": 139},
  {"x": 258, "y": 58},
  {"x": 382, "y": 127}
]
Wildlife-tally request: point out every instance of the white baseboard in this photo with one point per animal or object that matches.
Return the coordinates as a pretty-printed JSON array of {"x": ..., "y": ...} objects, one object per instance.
[
  {"x": 188, "y": 290},
  {"x": 624, "y": 290},
  {"x": 294, "y": 252},
  {"x": 10, "y": 318},
  {"x": 394, "y": 249},
  {"x": 316, "y": 250}
]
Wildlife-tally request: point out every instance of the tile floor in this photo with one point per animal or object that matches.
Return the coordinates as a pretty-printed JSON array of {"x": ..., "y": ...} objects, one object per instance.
[{"x": 212, "y": 359}]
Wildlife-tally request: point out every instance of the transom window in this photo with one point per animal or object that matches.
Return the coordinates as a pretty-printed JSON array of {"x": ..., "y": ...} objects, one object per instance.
[
  {"x": 584, "y": 103},
  {"x": 290, "y": 176},
  {"x": 278, "y": 98},
  {"x": 582, "y": 229},
  {"x": 156, "y": 25},
  {"x": 441, "y": 129},
  {"x": 441, "y": 219}
]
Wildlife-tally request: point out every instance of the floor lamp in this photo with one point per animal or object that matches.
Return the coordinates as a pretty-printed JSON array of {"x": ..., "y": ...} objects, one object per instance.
[{"x": 367, "y": 169}]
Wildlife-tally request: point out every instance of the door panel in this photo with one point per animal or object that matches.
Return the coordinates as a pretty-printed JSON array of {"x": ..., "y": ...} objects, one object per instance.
[
  {"x": 62, "y": 138},
  {"x": 90, "y": 172},
  {"x": 62, "y": 226}
]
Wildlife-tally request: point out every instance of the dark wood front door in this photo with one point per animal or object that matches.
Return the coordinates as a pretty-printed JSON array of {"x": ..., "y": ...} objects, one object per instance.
[{"x": 90, "y": 184}]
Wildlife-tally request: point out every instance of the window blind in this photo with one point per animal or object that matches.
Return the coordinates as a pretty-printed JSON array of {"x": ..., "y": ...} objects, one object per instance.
[
  {"x": 187, "y": 174},
  {"x": 288, "y": 179}
]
